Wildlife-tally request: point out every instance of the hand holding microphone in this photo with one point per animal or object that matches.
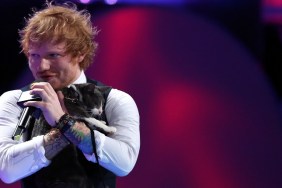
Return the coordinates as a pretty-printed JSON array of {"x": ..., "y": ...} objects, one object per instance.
[
  {"x": 28, "y": 114},
  {"x": 41, "y": 98}
]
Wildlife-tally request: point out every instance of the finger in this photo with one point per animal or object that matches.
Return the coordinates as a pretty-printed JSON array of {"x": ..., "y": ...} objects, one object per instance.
[
  {"x": 36, "y": 104},
  {"x": 61, "y": 100},
  {"x": 44, "y": 86}
]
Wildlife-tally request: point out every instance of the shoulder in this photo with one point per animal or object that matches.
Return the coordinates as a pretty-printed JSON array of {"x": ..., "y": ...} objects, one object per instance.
[
  {"x": 8, "y": 102},
  {"x": 118, "y": 99},
  {"x": 12, "y": 95},
  {"x": 121, "y": 105},
  {"x": 118, "y": 95}
]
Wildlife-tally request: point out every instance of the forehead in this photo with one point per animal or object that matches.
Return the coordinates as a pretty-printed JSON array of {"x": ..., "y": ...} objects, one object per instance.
[{"x": 47, "y": 46}]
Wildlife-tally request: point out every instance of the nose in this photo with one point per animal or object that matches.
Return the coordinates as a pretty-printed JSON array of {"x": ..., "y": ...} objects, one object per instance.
[
  {"x": 101, "y": 109},
  {"x": 43, "y": 64}
]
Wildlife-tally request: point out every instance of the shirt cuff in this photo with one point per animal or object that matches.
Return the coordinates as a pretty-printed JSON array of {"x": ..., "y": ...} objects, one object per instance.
[{"x": 41, "y": 151}]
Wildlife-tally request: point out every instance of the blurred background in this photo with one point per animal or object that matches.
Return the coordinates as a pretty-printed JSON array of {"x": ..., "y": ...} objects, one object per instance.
[{"x": 206, "y": 76}]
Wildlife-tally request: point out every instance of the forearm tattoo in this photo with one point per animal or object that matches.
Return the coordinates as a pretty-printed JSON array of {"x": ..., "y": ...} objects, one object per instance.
[
  {"x": 54, "y": 142},
  {"x": 79, "y": 135}
]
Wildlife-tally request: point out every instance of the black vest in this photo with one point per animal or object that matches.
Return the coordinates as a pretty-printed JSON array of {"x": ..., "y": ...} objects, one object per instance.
[{"x": 85, "y": 174}]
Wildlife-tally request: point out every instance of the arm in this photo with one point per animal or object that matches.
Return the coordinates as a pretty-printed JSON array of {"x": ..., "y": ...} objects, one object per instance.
[
  {"x": 54, "y": 142},
  {"x": 119, "y": 151},
  {"x": 14, "y": 155}
]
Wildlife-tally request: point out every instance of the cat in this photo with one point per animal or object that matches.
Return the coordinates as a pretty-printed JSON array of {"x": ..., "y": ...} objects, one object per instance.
[{"x": 85, "y": 103}]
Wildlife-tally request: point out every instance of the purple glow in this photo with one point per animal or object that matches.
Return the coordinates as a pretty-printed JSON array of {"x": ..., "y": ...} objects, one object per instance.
[
  {"x": 85, "y": 1},
  {"x": 111, "y": 2},
  {"x": 155, "y": 1}
]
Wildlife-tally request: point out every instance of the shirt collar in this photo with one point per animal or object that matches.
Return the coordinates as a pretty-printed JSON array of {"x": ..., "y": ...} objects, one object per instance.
[{"x": 81, "y": 79}]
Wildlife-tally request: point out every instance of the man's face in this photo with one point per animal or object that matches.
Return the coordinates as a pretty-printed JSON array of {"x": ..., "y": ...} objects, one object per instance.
[{"x": 50, "y": 63}]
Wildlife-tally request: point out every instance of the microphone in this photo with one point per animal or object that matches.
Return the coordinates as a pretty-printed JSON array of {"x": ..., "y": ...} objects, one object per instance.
[{"x": 28, "y": 114}]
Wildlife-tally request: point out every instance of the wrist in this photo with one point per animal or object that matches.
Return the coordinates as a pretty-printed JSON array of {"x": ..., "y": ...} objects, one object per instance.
[
  {"x": 65, "y": 122},
  {"x": 51, "y": 136},
  {"x": 53, "y": 143}
]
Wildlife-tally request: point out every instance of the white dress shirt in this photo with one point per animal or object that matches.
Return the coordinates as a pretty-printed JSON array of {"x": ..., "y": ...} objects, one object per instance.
[{"x": 117, "y": 153}]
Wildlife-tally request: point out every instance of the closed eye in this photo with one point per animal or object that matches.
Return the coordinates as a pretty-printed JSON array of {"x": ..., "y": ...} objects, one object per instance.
[
  {"x": 33, "y": 55},
  {"x": 48, "y": 56},
  {"x": 54, "y": 55}
]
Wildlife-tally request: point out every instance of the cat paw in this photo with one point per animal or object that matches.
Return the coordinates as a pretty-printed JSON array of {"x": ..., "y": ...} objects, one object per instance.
[
  {"x": 103, "y": 122},
  {"x": 112, "y": 130}
]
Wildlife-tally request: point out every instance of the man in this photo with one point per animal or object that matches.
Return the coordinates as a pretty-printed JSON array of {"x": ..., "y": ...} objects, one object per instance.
[{"x": 58, "y": 42}]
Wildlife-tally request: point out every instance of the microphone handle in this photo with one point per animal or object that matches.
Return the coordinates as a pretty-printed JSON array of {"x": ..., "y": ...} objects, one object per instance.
[{"x": 24, "y": 122}]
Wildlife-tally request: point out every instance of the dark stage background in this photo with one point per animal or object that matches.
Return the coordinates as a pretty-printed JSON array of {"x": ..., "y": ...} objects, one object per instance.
[{"x": 206, "y": 76}]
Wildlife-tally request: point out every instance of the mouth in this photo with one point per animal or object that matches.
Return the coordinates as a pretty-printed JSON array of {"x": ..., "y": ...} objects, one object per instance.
[{"x": 46, "y": 77}]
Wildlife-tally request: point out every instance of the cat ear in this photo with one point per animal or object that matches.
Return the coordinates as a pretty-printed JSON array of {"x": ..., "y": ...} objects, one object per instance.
[
  {"x": 75, "y": 89},
  {"x": 90, "y": 87}
]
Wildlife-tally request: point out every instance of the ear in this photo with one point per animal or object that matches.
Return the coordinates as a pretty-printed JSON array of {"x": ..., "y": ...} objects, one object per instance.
[
  {"x": 73, "y": 86},
  {"x": 90, "y": 87},
  {"x": 80, "y": 57}
]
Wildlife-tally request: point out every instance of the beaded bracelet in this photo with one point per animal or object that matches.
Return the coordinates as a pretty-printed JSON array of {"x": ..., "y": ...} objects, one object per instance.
[{"x": 65, "y": 123}]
